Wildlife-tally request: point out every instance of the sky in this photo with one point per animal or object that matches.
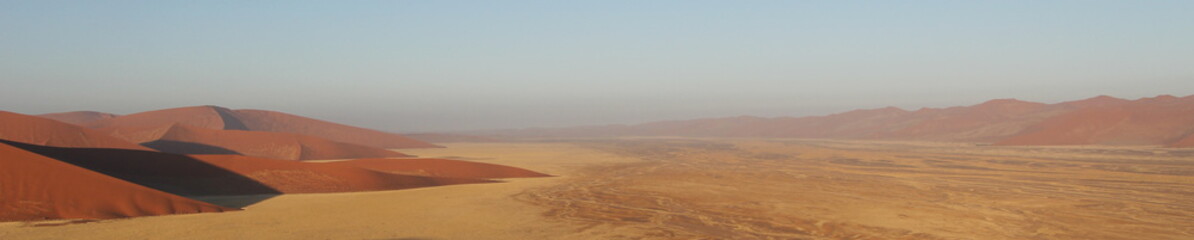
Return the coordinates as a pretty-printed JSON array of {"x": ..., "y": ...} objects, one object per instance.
[{"x": 419, "y": 66}]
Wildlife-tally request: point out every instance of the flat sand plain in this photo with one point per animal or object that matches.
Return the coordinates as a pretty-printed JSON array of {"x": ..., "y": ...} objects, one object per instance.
[
  {"x": 812, "y": 189},
  {"x": 730, "y": 189}
]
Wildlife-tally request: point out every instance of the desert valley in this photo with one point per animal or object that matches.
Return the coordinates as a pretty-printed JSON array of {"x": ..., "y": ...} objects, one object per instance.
[
  {"x": 623, "y": 120},
  {"x": 1004, "y": 169}
]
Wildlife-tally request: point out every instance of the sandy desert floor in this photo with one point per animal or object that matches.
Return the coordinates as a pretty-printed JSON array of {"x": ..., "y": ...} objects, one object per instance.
[{"x": 730, "y": 189}]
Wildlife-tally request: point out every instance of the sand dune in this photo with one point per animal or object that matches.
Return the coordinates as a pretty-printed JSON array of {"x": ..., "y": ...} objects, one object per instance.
[
  {"x": 260, "y": 120},
  {"x": 199, "y": 175},
  {"x": 1185, "y": 142},
  {"x": 265, "y": 144},
  {"x": 35, "y": 187},
  {"x": 219, "y": 118},
  {"x": 441, "y": 168},
  {"x": 36, "y": 130},
  {"x": 301, "y": 177},
  {"x": 78, "y": 117},
  {"x": 1162, "y": 120}
]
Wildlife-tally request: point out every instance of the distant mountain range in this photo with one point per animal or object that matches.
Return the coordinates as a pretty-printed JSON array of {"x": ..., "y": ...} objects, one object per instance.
[{"x": 1163, "y": 120}]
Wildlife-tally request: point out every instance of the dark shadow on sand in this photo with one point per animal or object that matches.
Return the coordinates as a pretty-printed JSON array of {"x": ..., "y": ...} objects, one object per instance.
[{"x": 172, "y": 173}]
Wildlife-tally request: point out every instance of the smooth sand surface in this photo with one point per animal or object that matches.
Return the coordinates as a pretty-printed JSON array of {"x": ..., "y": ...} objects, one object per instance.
[{"x": 476, "y": 211}]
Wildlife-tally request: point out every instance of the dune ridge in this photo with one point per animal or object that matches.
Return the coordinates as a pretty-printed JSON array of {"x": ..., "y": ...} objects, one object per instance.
[
  {"x": 78, "y": 117},
  {"x": 42, "y": 131},
  {"x": 220, "y": 118},
  {"x": 1163, "y": 120}
]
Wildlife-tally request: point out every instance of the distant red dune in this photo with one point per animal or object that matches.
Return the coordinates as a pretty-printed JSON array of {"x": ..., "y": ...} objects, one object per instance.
[
  {"x": 259, "y": 120},
  {"x": 42, "y": 131},
  {"x": 1188, "y": 141},
  {"x": 1162, "y": 120},
  {"x": 441, "y": 168},
  {"x": 78, "y": 117},
  {"x": 35, "y": 187},
  {"x": 268, "y": 144},
  {"x": 212, "y": 117}
]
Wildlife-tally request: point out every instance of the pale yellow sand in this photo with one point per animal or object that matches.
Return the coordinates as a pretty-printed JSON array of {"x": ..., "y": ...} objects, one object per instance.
[{"x": 478, "y": 211}]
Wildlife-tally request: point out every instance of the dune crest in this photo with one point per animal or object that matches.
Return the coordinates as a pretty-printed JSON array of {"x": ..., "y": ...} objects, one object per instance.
[
  {"x": 220, "y": 118},
  {"x": 78, "y": 117},
  {"x": 42, "y": 131},
  {"x": 1161, "y": 120}
]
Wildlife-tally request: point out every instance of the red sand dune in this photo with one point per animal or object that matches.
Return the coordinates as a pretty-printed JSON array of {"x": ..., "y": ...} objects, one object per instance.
[
  {"x": 36, "y": 130},
  {"x": 79, "y": 117},
  {"x": 1188, "y": 141},
  {"x": 267, "y": 144},
  {"x": 212, "y": 117},
  {"x": 1163, "y": 120},
  {"x": 199, "y": 175},
  {"x": 302, "y": 177},
  {"x": 35, "y": 187},
  {"x": 259, "y": 120},
  {"x": 441, "y": 168}
]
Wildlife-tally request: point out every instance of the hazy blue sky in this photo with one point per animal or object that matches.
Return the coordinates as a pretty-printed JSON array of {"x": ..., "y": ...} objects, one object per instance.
[{"x": 449, "y": 65}]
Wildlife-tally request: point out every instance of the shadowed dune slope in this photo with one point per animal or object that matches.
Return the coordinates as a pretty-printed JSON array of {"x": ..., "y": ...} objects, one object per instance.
[
  {"x": 35, "y": 187},
  {"x": 173, "y": 173},
  {"x": 42, "y": 131},
  {"x": 441, "y": 168},
  {"x": 208, "y": 175},
  {"x": 259, "y": 120},
  {"x": 270, "y": 144},
  {"x": 78, "y": 117}
]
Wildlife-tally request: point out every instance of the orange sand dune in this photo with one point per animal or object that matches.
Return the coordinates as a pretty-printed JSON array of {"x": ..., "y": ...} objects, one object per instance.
[
  {"x": 200, "y": 175},
  {"x": 35, "y": 187},
  {"x": 1163, "y": 120},
  {"x": 213, "y": 117},
  {"x": 259, "y": 120},
  {"x": 78, "y": 117},
  {"x": 441, "y": 168},
  {"x": 210, "y": 117},
  {"x": 1188, "y": 141},
  {"x": 268, "y": 144},
  {"x": 303, "y": 177},
  {"x": 36, "y": 130}
]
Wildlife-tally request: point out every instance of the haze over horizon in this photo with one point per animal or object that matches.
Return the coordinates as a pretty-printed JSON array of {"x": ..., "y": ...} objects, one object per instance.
[{"x": 442, "y": 66}]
